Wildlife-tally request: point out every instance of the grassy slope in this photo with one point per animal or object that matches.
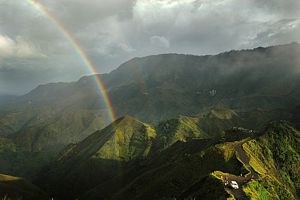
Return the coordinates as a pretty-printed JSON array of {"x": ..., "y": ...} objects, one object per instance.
[
  {"x": 132, "y": 139},
  {"x": 185, "y": 170},
  {"x": 32, "y": 150},
  {"x": 99, "y": 157},
  {"x": 181, "y": 171},
  {"x": 276, "y": 157},
  {"x": 181, "y": 129},
  {"x": 106, "y": 153},
  {"x": 124, "y": 139},
  {"x": 213, "y": 124},
  {"x": 114, "y": 151}
]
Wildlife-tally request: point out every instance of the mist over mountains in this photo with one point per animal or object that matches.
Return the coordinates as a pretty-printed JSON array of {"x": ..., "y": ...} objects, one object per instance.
[
  {"x": 184, "y": 122},
  {"x": 4, "y": 99}
]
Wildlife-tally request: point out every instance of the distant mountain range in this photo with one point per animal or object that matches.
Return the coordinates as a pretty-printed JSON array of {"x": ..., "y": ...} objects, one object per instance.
[
  {"x": 184, "y": 123},
  {"x": 153, "y": 89}
]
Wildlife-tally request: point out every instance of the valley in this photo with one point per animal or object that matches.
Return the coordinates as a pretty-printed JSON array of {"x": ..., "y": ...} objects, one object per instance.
[{"x": 184, "y": 125}]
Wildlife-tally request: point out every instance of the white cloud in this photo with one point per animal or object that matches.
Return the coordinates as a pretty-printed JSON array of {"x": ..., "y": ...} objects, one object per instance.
[
  {"x": 279, "y": 32},
  {"x": 111, "y": 32},
  {"x": 6, "y": 46},
  {"x": 18, "y": 48},
  {"x": 160, "y": 41}
]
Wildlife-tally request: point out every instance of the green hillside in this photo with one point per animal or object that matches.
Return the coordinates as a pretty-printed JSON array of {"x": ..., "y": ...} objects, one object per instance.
[
  {"x": 117, "y": 148},
  {"x": 99, "y": 157},
  {"x": 194, "y": 170},
  {"x": 195, "y": 120},
  {"x": 128, "y": 160},
  {"x": 275, "y": 156},
  {"x": 181, "y": 129},
  {"x": 125, "y": 139},
  {"x": 217, "y": 123},
  {"x": 112, "y": 151},
  {"x": 154, "y": 89},
  {"x": 174, "y": 171}
]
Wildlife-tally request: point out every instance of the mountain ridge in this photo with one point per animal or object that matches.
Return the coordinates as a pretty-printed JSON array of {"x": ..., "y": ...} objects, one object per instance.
[{"x": 155, "y": 89}]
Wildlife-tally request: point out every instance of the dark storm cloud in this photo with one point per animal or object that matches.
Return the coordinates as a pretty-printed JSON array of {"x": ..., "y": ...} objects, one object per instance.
[{"x": 33, "y": 50}]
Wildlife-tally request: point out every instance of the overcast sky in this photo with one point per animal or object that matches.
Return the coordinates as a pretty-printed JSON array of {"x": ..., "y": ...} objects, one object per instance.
[{"x": 34, "y": 51}]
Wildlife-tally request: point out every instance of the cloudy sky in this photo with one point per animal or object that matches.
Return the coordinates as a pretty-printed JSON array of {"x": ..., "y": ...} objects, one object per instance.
[{"x": 34, "y": 51}]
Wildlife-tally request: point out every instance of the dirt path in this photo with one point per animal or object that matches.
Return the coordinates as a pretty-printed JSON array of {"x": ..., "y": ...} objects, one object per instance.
[
  {"x": 241, "y": 154},
  {"x": 241, "y": 180}
]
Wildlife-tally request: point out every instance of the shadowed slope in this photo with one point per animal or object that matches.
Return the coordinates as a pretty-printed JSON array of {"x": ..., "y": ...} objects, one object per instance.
[
  {"x": 99, "y": 157},
  {"x": 15, "y": 188},
  {"x": 190, "y": 170}
]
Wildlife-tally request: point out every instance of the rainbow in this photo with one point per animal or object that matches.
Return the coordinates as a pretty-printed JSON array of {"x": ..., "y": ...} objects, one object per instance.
[{"x": 79, "y": 51}]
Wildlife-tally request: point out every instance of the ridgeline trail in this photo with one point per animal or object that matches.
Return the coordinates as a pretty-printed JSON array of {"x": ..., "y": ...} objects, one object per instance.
[{"x": 239, "y": 194}]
